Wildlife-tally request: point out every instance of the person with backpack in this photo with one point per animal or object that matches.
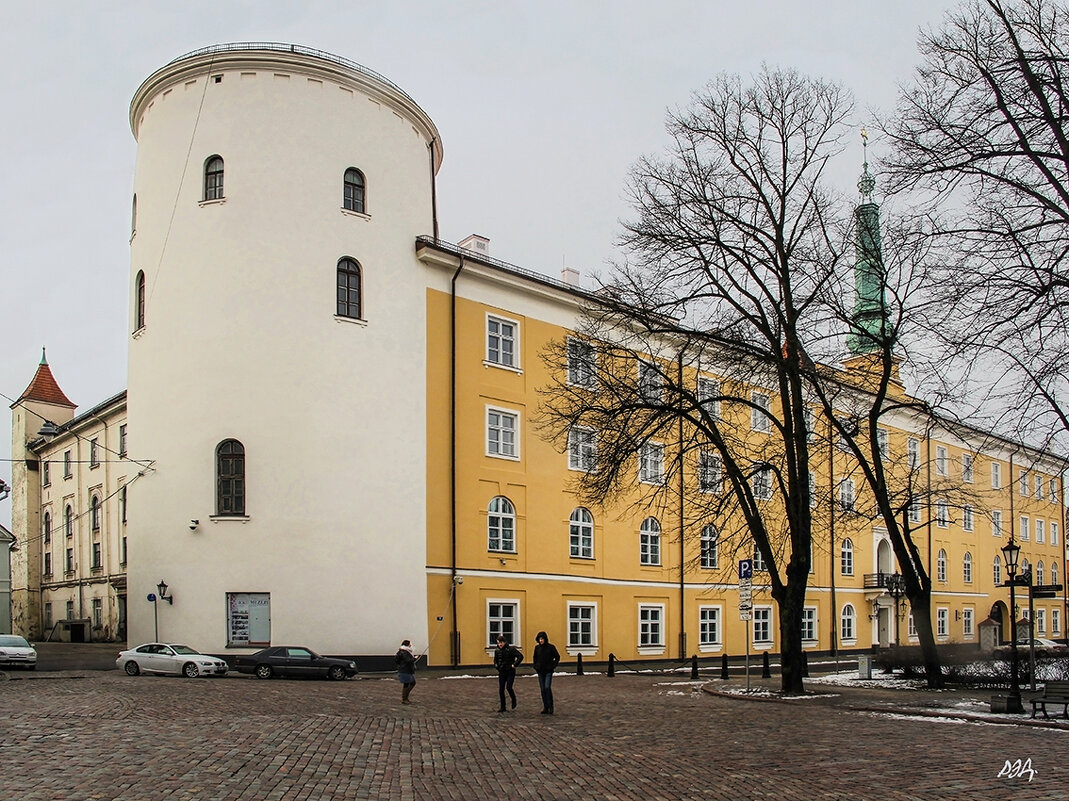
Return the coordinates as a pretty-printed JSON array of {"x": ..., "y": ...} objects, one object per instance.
[{"x": 506, "y": 659}]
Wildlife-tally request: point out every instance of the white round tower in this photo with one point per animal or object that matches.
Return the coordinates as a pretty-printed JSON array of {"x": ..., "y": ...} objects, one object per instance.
[{"x": 277, "y": 377}]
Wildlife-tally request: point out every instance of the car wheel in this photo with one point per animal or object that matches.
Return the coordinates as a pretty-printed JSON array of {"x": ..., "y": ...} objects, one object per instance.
[
  {"x": 190, "y": 670},
  {"x": 263, "y": 671},
  {"x": 336, "y": 673},
  {"x": 131, "y": 668}
]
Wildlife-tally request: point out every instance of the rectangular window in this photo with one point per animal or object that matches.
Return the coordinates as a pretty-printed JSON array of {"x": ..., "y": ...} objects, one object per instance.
[
  {"x": 1041, "y": 622},
  {"x": 759, "y": 565},
  {"x": 48, "y": 616},
  {"x": 940, "y": 460},
  {"x": 942, "y": 513},
  {"x": 966, "y": 467},
  {"x": 651, "y": 463},
  {"x": 248, "y": 619},
  {"x": 967, "y": 622},
  {"x": 1022, "y": 484},
  {"x": 709, "y": 472},
  {"x": 1053, "y": 487},
  {"x": 809, "y": 624},
  {"x": 124, "y": 550},
  {"x": 582, "y": 449},
  {"x": 582, "y": 620},
  {"x": 996, "y": 523},
  {"x": 1038, "y": 483},
  {"x": 69, "y": 562},
  {"x": 501, "y": 430},
  {"x": 70, "y": 610},
  {"x": 914, "y": 509},
  {"x": 501, "y": 620},
  {"x": 96, "y": 556},
  {"x": 809, "y": 417},
  {"x": 46, "y": 473},
  {"x": 710, "y": 549},
  {"x": 122, "y": 504},
  {"x": 1055, "y": 621},
  {"x": 48, "y": 563},
  {"x": 846, "y": 495},
  {"x": 942, "y": 621},
  {"x": 66, "y": 464},
  {"x": 581, "y": 363},
  {"x": 1041, "y": 534},
  {"x": 761, "y": 480},
  {"x": 882, "y": 442},
  {"x": 501, "y": 341},
  {"x": 1053, "y": 533},
  {"x": 98, "y": 612},
  {"x": 1024, "y": 534},
  {"x": 967, "y": 517},
  {"x": 650, "y": 626},
  {"x": 94, "y": 453},
  {"x": 709, "y": 392},
  {"x": 996, "y": 475},
  {"x": 913, "y": 453},
  {"x": 911, "y": 627},
  {"x": 122, "y": 439},
  {"x": 708, "y": 626},
  {"x": 759, "y": 412},
  {"x": 762, "y": 624},
  {"x": 650, "y": 382}
]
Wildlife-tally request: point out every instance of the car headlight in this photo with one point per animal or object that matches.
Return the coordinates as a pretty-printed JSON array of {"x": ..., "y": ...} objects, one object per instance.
[{"x": 352, "y": 665}]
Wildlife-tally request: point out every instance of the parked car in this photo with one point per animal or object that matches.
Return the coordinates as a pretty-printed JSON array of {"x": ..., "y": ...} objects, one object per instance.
[
  {"x": 1044, "y": 647},
  {"x": 294, "y": 660},
  {"x": 158, "y": 657},
  {"x": 16, "y": 652}
]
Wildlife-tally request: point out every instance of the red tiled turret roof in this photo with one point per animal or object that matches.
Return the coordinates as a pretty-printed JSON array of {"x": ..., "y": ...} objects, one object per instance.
[{"x": 44, "y": 388}]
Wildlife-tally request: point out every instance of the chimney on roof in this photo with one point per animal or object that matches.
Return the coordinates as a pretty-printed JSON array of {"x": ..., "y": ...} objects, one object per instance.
[
  {"x": 570, "y": 276},
  {"x": 479, "y": 245}
]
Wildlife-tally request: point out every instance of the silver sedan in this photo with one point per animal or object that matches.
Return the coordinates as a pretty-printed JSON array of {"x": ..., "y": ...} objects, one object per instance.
[{"x": 158, "y": 657}]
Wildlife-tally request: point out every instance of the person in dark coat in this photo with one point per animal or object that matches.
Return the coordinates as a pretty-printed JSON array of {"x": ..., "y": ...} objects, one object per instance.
[
  {"x": 545, "y": 661},
  {"x": 406, "y": 669},
  {"x": 506, "y": 658}
]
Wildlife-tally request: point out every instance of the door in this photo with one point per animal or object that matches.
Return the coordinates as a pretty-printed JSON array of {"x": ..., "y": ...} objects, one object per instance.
[{"x": 884, "y": 626}]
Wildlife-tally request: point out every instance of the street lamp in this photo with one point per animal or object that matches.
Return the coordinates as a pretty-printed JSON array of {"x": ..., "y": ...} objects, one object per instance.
[
  {"x": 896, "y": 586},
  {"x": 162, "y": 587},
  {"x": 1012, "y": 551},
  {"x": 156, "y": 597}
]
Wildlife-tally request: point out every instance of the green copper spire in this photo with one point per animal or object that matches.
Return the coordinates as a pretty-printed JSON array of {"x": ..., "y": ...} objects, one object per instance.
[{"x": 870, "y": 306}]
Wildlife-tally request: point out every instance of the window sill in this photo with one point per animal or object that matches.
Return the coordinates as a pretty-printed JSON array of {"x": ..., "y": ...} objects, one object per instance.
[
  {"x": 229, "y": 518},
  {"x": 506, "y": 367},
  {"x": 94, "y": 466},
  {"x": 651, "y": 650},
  {"x": 762, "y": 646},
  {"x": 582, "y": 559},
  {"x": 711, "y": 648},
  {"x": 363, "y": 215},
  {"x": 338, "y": 318},
  {"x": 218, "y": 201},
  {"x": 585, "y": 650},
  {"x": 503, "y": 456}
]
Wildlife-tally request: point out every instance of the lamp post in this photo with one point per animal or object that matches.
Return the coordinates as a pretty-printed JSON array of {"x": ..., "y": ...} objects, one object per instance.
[
  {"x": 896, "y": 586},
  {"x": 1012, "y": 551},
  {"x": 156, "y": 597}
]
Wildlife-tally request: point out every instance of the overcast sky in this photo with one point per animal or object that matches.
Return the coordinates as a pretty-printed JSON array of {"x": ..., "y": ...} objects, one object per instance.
[{"x": 542, "y": 108}]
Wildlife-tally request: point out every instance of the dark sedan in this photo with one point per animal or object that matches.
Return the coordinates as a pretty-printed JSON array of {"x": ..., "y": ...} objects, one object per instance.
[{"x": 296, "y": 661}]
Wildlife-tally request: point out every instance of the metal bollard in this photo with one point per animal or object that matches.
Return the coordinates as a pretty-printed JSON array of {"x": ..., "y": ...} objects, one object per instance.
[
  {"x": 766, "y": 672},
  {"x": 724, "y": 666},
  {"x": 694, "y": 667},
  {"x": 612, "y": 665},
  {"x": 805, "y": 665},
  {"x": 579, "y": 665}
]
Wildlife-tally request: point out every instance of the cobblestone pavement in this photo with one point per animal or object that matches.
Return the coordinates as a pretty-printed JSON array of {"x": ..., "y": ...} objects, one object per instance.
[{"x": 104, "y": 735}]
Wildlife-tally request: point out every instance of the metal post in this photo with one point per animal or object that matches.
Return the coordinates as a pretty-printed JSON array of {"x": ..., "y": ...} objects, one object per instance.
[
  {"x": 612, "y": 665},
  {"x": 694, "y": 667},
  {"x": 579, "y": 665},
  {"x": 1015, "y": 675},
  {"x": 156, "y": 618}
]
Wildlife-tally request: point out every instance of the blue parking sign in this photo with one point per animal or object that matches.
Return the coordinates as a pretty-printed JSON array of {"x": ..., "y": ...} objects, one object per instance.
[{"x": 745, "y": 568}]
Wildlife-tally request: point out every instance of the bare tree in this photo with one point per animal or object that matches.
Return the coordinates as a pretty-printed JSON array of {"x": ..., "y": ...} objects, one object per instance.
[
  {"x": 733, "y": 243},
  {"x": 982, "y": 131}
]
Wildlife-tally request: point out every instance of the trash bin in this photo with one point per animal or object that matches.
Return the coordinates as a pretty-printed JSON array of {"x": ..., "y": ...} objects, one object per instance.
[{"x": 864, "y": 666}]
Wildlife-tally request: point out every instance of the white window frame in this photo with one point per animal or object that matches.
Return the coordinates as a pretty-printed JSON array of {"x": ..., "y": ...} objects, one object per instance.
[
  {"x": 968, "y": 631},
  {"x": 1055, "y": 621},
  {"x": 651, "y": 619},
  {"x": 573, "y": 647},
  {"x": 760, "y": 412},
  {"x": 649, "y": 543},
  {"x": 709, "y": 391},
  {"x": 710, "y": 617},
  {"x": 966, "y": 568},
  {"x": 1039, "y": 525},
  {"x": 996, "y": 522},
  {"x": 1053, "y": 490},
  {"x": 911, "y": 627},
  {"x": 941, "y": 566},
  {"x": 846, "y": 557},
  {"x": 651, "y": 381},
  {"x": 1041, "y": 622},
  {"x": 581, "y": 534},
  {"x": 502, "y": 540},
  {"x": 761, "y": 484},
  {"x": 1038, "y": 484},
  {"x": 967, "y": 468},
  {"x": 651, "y": 463},
  {"x": 942, "y": 513},
  {"x": 582, "y": 363},
  {"x": 492, "y": 631},
  {"x": 846, "y": 494},
  {"x": 996, "y": 570},
  {"x": 514, "y": 341},
  {"x": 996, "y": 475},
  {"x": 1053, "y": 532},
  {"x": 709, "y": 553},
  {"x": 1022, "y": 483},
  {"x": 762, "y": 619},
  {"x": 1039, "y": 573},
  {"x": 913, "y": 453},
  {"x": 967, "y": 517},
  {"x": 710, "y": 472},
  {"x": 915, "y": 509},
  {"x": 941, "y": 457},
  {"x": 942, "y": 622},
  {"x": 1023, "y": 532},
  {"x": 848, "y": 624},
  {"x": 810, "y": 631},
  {"x": 582, "y": 449},
  {"x": 501, "y": 429},
  {"x": 883, "y": 442}
]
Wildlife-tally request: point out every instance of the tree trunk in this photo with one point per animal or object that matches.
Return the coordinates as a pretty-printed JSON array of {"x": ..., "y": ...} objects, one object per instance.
[
  {"x": 921, "y": 606},
  {"x": 792, "y": 660}
]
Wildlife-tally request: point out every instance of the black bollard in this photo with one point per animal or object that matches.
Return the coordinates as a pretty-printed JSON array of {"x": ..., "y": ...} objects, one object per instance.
[
  {"x": 805, "y": 665},
  {"x": 612, "y": 665},
  {"x": 724, "y": 666},
  {"x": 579, "y": 665},
  {"x": 766, "y": 672},
  {"x": 694, "y": 667}
]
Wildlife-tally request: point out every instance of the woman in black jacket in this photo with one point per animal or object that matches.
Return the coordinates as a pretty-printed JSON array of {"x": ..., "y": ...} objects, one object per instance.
[
  {"x": 545, "y": 661},
  {"x": 406, "y": 669}
]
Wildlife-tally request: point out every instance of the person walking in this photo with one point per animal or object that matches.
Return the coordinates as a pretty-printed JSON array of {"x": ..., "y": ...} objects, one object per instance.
[
  {"x": 406, "y": 669},
  {"x": 545, "y": 661},
  {"x": 506, "y": 659}
]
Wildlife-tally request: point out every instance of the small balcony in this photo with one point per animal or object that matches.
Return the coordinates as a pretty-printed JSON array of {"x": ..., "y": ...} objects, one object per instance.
[{"x": 877, "y": 581}]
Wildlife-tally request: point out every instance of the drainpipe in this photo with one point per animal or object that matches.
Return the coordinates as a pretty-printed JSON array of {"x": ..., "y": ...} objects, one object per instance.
[
  {"x": 434, "y": 197},
  {"x": 454, "y": 645},
  {"x": 682, "y": 554},
  {"x": 831, "y": 536}
]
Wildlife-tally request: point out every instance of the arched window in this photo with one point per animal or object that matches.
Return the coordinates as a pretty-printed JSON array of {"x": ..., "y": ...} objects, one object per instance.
[
  {"x": 501, "y": 525},
  {"x": 846, "y": 557},
  {"x": 1024, "y": 567},
  {"x": 354, "y": 190},
  {"x": 649, "y": 542},
  {"x": 139, "y": 300},
  {"x": 349, "y": 288},
  {"x": 941, "y": 565},
  {"x": 48, "y": 528},
  {"x": 966, "y": 567},
  {"x": 847, "y": 628},
  {"x": 581, "y": 534},
  {"x": 94, "y": 513},
  {"x": 213, "y": 178},
  {"x": 230, "y": 478},
  {"x": 996, "y": 571},
  {"x": 68, "y": 522},
  {"x": 1039, "y": 573},
  {"x": 1053, "y": 572},
  {"x": 710, "y": 548}
]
